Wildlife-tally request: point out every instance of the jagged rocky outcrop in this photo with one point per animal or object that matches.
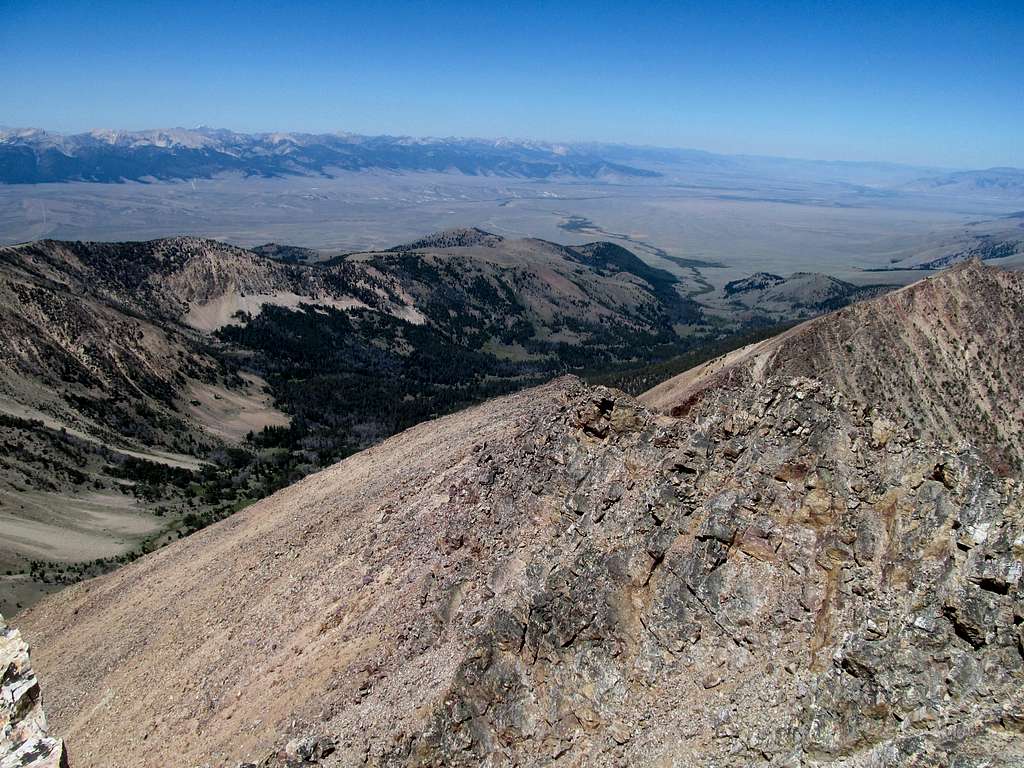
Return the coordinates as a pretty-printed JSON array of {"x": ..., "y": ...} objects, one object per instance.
[
  {"x": 779, "y": 576},
  {"x": 24, "y": 740}
]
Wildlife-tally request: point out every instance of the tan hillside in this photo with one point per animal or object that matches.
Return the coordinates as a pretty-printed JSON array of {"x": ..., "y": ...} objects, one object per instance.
[
  {"x": 96, "y": 341},
  {"x": 774, "y": 578},
  {"x": 944, "y": 354}
]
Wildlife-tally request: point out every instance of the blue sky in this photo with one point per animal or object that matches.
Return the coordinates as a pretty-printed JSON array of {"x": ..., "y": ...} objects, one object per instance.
[{"x": 924, "y": 82}]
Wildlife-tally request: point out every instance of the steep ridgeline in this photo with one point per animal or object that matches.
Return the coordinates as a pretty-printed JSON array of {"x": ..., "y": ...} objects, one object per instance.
[
  {"x": 777, "y": 577},
  {"x": 943, "y": 354}
]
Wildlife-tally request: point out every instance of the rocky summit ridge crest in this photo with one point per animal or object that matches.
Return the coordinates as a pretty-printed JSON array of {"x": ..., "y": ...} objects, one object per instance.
[{"x": 783, "y": 576}]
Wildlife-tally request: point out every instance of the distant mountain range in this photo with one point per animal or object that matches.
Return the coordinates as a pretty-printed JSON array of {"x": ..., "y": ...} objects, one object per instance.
[
  {"x": 993, "y": 182},
  {"x": 33, "y": 156}
]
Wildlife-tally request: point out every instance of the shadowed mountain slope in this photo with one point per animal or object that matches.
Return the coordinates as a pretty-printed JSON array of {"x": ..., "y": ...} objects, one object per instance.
[
  {"x": 93, "y": 324},
  {"x": 775, "y": 298}
]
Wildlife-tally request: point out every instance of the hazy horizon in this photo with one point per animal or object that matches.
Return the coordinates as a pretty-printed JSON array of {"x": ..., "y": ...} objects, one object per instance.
[
  {"x": 932, "y": 84},
  {"x": 517, "y": 139}
]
